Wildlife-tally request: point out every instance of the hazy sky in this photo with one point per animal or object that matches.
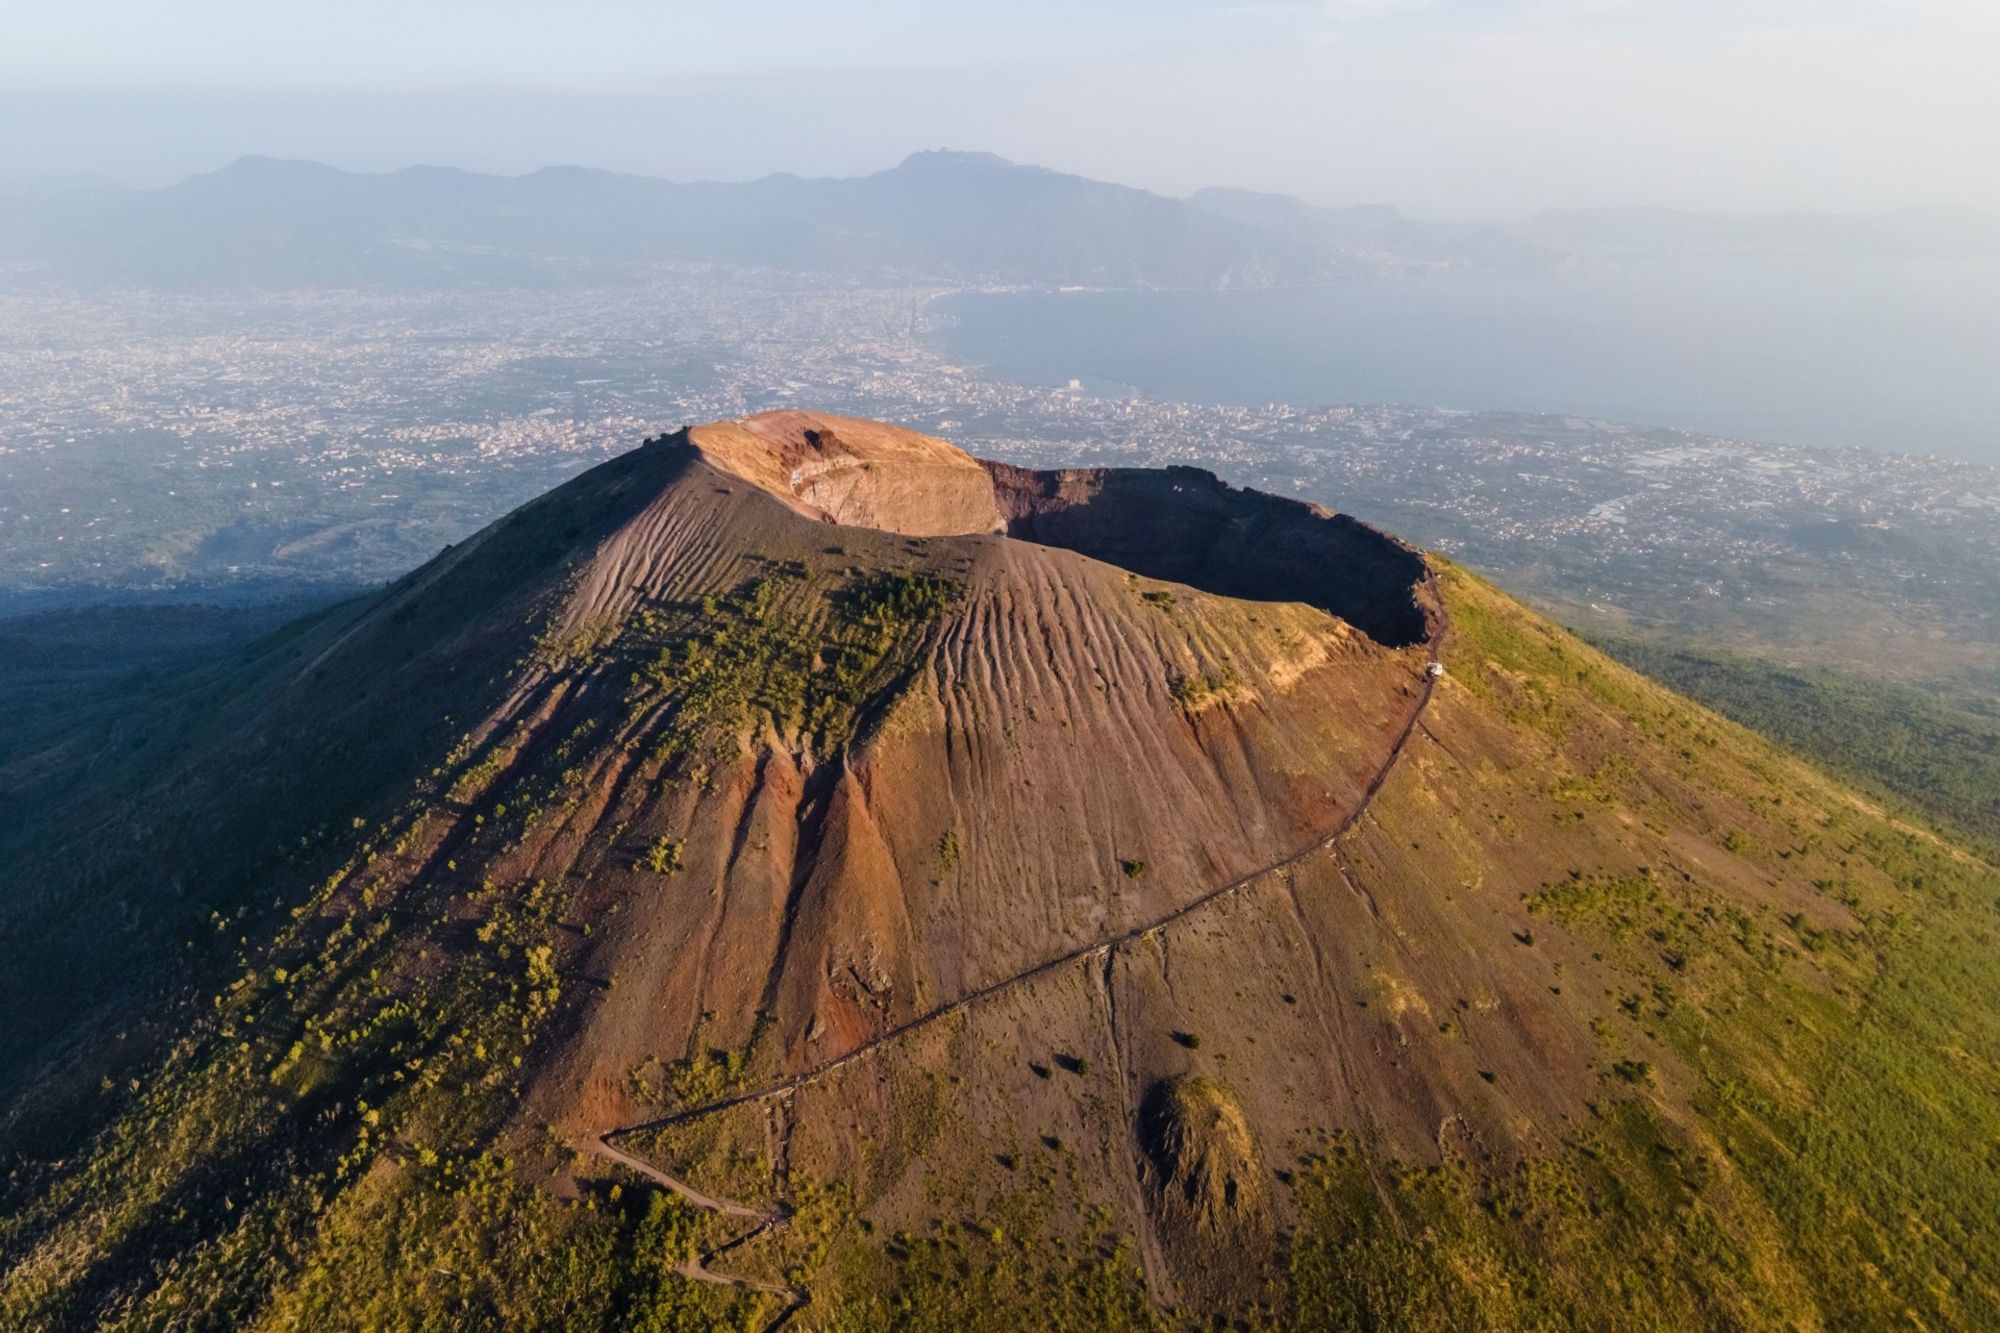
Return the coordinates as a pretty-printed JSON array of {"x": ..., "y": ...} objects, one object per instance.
[{"x": 1451, "y": 108}]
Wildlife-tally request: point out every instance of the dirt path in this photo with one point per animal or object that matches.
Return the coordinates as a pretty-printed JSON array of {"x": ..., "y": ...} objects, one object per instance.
[
  {"x": 694, "y": 1196},
  {"x": 767, "y": 1220},
  {"x": 816, "y": 1072},
  {"x": 696, "y": 1268}
]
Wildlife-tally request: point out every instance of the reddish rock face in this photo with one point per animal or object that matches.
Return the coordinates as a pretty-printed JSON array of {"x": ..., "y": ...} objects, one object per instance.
[
  {"x": 1146, "y": 686},
  {"x": 860, "y": 473}
]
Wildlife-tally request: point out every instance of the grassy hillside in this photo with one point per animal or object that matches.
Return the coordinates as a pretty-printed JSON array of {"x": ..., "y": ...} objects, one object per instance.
[
  {"x": 1935, "y": 747},
  {"x": 61, "y": 670},
  {"x": 1796, "y": 1116}
]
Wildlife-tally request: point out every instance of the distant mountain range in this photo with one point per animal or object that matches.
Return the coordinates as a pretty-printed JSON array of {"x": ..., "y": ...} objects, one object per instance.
[{"x": 262, "y": 222}]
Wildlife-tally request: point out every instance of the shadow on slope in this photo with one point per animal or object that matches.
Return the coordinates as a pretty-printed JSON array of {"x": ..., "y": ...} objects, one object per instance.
[{"x": 1185, "y": 525}]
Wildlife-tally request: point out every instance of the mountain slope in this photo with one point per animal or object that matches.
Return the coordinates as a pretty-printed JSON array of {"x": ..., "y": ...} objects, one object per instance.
[
  {"x": 1069, "y": 900},
  {"x": 263, "y": 223},
  {"x": 1369, "y": 239},
  {"x": 267, "y": 223}
]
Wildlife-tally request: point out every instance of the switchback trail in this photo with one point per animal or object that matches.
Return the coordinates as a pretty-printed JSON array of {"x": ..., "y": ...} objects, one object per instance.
[
  {"x": 602, "y": 1145},
  {"x": 695, "y": 1268},
  {"x": 681, "y": 1187}
]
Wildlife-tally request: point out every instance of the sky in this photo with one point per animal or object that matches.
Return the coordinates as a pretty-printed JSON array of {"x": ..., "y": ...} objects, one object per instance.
[{"x": 1448, "y": 108}]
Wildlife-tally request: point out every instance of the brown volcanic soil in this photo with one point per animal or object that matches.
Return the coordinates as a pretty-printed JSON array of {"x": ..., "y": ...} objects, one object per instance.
[{"x": 1026, "y": 786}]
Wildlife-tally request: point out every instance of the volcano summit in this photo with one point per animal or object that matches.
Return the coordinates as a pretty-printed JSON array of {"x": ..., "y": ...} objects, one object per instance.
[{"x": 798, "y": 871}]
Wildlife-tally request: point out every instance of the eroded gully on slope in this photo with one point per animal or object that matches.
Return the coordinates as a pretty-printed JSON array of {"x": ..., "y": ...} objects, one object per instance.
[{"x": 765, "y": 1220}]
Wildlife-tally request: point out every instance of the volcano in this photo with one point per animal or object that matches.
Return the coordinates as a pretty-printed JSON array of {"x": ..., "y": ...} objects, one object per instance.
[{"x": 799, "y": 872}]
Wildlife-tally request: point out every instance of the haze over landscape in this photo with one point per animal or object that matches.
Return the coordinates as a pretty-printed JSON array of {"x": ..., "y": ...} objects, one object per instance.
[
  {"x": 1342, "y": 671},
  {"x": 1454, "y": 109}
]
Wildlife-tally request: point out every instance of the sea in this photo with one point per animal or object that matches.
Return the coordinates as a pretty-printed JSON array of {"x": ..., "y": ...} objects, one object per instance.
[{"x": 1895, "y": 355}]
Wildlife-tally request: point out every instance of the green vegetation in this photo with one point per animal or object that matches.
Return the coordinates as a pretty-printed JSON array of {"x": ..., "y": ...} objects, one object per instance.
[
  {"x": 1837, "y": 1168},
  {"x": 664, "y": 856},
  {"x": 983, "y": 1277},
  {"x": 1675, "y": 924},
  {"x": 707, "y": 1077},
  {"x": 318, "y": 1149},
  {"x": 725, "y": 1153},
  {"x": 472, "y": 1246},
  {"x": 1844, "y": 1172},
  {"x": 780, "y": 647},
  {"x": 1196, "y": 692},
  {"x": 891, "y": 601},
  {"x": 225, "y": 789},
  {"x": 1622, "y": 1233},
  {"x": 1937, "y": 747},
  {"x": 1036, "y": 1256}
]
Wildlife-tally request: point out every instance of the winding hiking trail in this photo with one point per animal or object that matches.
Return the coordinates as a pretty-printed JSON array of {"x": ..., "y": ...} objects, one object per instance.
[
  {"x": 797, "y": 1298},
  {"x": 696, "y": 1268}
]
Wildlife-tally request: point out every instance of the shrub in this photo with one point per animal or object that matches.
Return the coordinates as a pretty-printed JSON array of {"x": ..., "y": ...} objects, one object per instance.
[{"x": 664, "y": 856}]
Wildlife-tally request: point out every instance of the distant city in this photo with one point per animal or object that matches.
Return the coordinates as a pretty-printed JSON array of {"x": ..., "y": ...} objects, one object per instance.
[{"x": 223, "y": 446}]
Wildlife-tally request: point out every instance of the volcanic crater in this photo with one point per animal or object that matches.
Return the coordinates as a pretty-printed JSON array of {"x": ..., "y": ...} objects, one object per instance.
[{"x": 1177, "y": 524}]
